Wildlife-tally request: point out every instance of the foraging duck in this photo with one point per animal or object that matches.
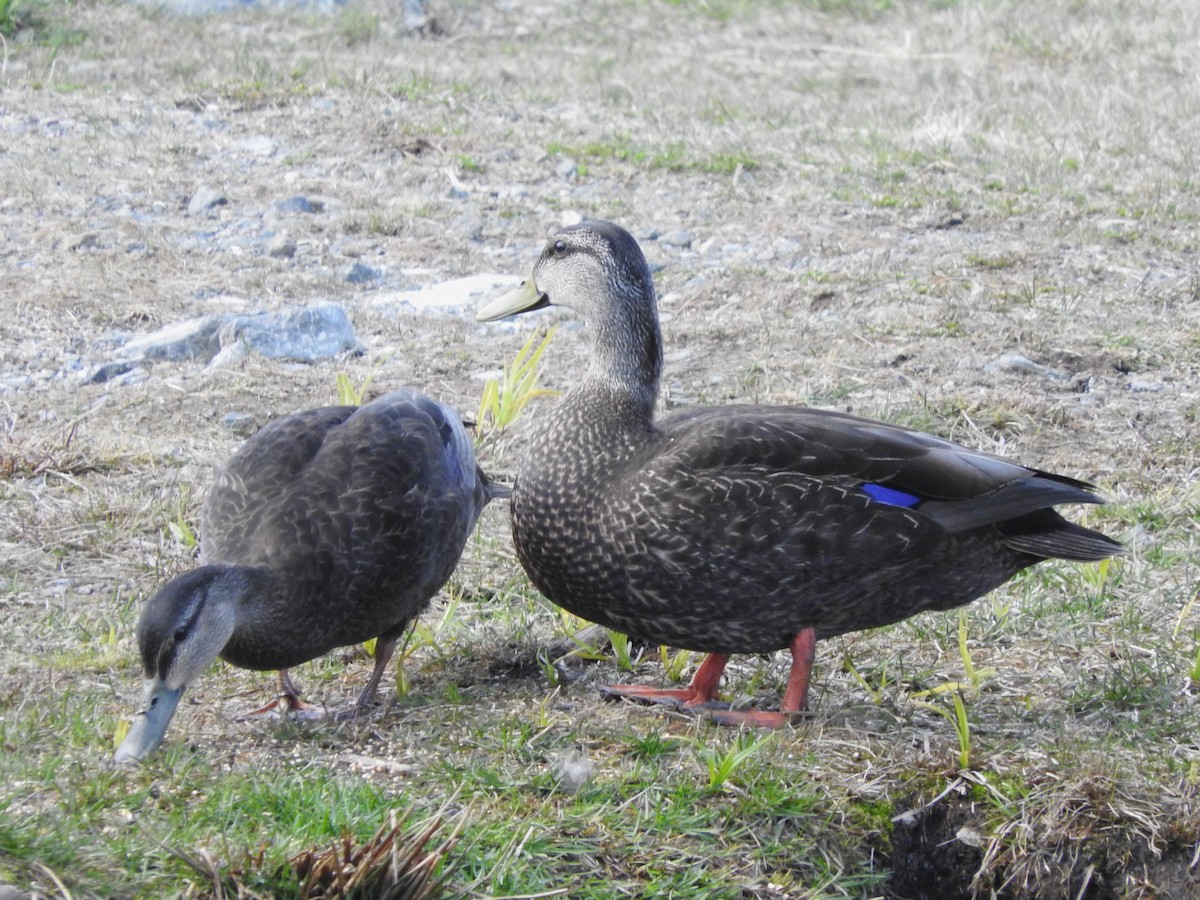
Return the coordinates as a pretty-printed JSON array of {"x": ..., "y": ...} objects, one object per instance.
[
  {"x": 327, "y": 528},
  {"x": 749, "y": 529}
]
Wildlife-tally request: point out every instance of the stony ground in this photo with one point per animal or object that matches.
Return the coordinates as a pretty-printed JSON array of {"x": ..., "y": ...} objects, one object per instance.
[{"x": 978, "y": 219}]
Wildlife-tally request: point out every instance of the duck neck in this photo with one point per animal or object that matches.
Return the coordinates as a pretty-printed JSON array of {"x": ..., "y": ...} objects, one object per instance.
[
  {"x": 626, "y": 361},
  {"x": 255, "y": 599}
]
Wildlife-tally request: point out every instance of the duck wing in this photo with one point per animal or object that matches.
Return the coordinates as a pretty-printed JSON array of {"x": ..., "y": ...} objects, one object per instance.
[
  {"x": 264, "y": 467},
  {"x": 362, "y": 519},
  {"x": 754, "y": 468}
]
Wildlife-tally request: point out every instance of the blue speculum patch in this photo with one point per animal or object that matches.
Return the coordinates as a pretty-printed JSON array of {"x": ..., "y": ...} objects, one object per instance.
[{"x": 890, "y": 496}]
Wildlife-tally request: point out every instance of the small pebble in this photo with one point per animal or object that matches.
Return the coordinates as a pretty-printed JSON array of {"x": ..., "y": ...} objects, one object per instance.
[
  {"x": 567, "y": 170},
  {"x": 108, "y": 371},
  {"x": 298, "y": 204},
  {"x": 281, "y": 247},
  {"x": 87, "y": 241},
  {"x": 360, "y": 273},
  {"x": 205, "y": 200},
  {"x": 259, "y": 145},
  {"x": 1015, "y": 362},
  {"x": 574, "y": 770},
  {"x": 680, "y": 237},
  {"x": 240, "y": 423}
]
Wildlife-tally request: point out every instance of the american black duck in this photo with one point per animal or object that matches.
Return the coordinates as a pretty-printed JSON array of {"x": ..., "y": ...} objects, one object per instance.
[
  {"x": 327, "y": 528},
  {"x": 748, "y": 529}
]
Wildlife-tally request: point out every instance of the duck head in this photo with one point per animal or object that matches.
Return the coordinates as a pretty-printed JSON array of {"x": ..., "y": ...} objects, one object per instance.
[
  {"x": 597, "y": 269},
  {"x": 182, "y": 630}
]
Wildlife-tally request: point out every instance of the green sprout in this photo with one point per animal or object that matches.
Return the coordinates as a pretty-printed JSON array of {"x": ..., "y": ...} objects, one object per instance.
[{"x": 504, "y": 399}]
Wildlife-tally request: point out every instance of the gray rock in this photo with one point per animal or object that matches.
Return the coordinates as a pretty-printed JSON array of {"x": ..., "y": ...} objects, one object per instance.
[
  {"x": 205, "y": 200},
  {"x": 567, "y": 170},
  {"x": 361, "y": 273},
  {"x": 680, "y": 237},
  {"x": 258, "y": 145},
  {"x": 190, "y": 339},
  {"x": 243, "y": 424},
  {"x": 1015, "y": 362},
  {"x": 301, "y": 334},
  {"x": 416, "y": 16},
  {"x": 108, "y": 371},
  {"x": 299, "y": 204},
  {"x": 12, "y": 892},
  {"x": 14, "y": 383},
  {"x": 281, "y": 247}
]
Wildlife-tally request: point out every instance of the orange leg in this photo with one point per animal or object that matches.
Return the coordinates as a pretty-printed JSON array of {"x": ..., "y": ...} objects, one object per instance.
[
  {"x": 701, "y": 689},
  {"x": 804, "y": 651},
  {"x": 795, "y": 695}
]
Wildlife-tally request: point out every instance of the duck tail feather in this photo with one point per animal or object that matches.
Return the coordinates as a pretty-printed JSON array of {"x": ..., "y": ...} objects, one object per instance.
[
  {"x": 1069, "y": 541},
  {"x": 1013, "y": 501}
]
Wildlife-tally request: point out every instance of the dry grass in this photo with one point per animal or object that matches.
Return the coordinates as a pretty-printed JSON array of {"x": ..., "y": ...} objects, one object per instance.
[{"x": 883, "y": 199}]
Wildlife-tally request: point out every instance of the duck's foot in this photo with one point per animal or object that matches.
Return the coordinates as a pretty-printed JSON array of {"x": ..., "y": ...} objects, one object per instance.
[
  {"x": 757, "y": 718},
  {"x": 286, "y": 705},
  {"x": 794, "y": 706},
  {"x": 682, "y": 698},
  {"x": 701, "y": 692},
  {"x": 358, "y": 710},
  {"x": 297, "y": 710}
]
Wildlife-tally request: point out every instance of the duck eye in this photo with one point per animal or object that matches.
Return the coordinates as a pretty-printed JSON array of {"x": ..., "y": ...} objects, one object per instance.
[
  {"x": 179, "y": 635},
  {"x": 558, "y": 248}
]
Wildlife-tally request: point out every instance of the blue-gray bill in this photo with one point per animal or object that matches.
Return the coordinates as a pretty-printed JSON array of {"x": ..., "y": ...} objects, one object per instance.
[{"x": 151, "y": 723}]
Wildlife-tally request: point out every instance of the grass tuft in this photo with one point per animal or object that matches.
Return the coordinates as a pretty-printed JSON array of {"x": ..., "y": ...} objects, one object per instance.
[
  {"x": 505, "y": 398},
  {"x": 395, "y": 863}
]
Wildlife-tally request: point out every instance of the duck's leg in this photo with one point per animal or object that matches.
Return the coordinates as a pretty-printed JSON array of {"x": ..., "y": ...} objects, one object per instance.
[
  {"x": 795, "y": 695},
  {"x": 385, "y": 646},
  {"x": 702, "y": 689},
  {"x": 804, "y": 653}
]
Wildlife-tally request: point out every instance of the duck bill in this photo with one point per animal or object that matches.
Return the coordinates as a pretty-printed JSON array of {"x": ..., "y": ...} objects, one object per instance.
[
  {"x": 151, "y": 723},
  {"x": 525, "y": 298}
]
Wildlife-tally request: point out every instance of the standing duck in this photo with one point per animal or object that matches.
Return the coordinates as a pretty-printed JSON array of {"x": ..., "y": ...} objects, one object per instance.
[
  {"x": 749, "y": 529},
  {"x": 327, "y": 528}
]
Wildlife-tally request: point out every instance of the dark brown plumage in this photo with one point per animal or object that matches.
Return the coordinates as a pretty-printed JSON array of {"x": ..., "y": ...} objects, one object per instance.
[
  {"x": 328, "y": 527},
  {"x": 745, "y": 529}
]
